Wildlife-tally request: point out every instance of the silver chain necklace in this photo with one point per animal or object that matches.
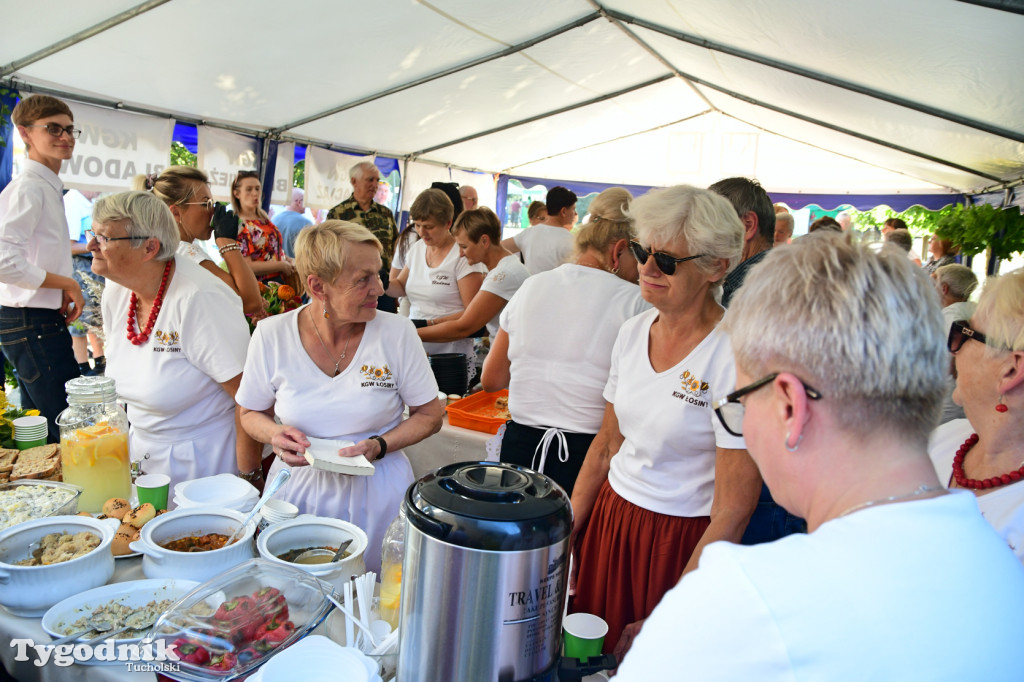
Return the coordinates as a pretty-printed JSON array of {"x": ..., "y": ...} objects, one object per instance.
[
  {"x": 922, "y": 490},
  {"x": 337, "y": 365}
]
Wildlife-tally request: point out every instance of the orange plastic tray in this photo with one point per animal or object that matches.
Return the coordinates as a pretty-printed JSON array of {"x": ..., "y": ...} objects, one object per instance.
[{"x": 477, "y": 412}]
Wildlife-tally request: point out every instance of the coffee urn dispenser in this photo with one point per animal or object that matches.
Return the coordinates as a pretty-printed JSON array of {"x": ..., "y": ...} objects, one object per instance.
[{"x": 484, "y": 575}]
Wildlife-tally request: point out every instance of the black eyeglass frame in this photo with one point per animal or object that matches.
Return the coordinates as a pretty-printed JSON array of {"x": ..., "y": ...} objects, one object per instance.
[
  {"x": 734, "y": 398},
  {"x": 103, "y": 239},
  {"x": 73, "y": 132},
  {"x": 666, "y": 263},
  {"x": 960, "y": 331}
]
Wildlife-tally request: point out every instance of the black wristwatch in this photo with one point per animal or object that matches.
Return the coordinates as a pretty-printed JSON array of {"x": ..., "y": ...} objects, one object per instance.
[{"x": 382, "y": 443}]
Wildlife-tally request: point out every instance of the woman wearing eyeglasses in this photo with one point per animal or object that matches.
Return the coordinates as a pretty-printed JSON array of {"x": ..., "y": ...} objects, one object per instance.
[
  {"x": 186, "y": 191},
  {"x": 985, "y": 452},
  {"x": 555, "y": 340},
  {"x": 841, "y": 365},
  {"x": 38, "y": 297},
  {"x": 259, "y": 239},
  {"x": 643, "y": 498},
  {"x": 176, "y": 341}
]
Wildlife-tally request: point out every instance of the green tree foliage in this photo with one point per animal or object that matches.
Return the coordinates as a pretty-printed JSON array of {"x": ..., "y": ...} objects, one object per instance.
[
  {"x": 920, "y": 221},
  {"x": 299, "y": 174},
  {"x": 977, "y": 228},
  {"x": 181, "y": 156}
]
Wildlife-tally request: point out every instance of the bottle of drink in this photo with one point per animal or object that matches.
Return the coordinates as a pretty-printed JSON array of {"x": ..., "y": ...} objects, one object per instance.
[
  {"x": 392, "y": 554},
  {"x": 94, "y": 442}
]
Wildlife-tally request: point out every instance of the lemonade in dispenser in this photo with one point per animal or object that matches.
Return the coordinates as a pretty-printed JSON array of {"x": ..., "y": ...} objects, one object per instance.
[{"x": 94, "y": 442}]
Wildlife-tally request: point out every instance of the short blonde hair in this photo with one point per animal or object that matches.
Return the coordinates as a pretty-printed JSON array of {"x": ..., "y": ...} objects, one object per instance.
[
  {"x": 862, "y": 326},
  {"x": 322, "y": 249},
  {"x": 608, "y": 222},
  {"x": 1001, "y": 311}
]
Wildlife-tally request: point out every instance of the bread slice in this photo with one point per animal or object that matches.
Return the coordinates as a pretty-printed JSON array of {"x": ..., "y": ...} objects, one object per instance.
[
  {"x": 34, "y": 468},
  {"x": 49, "y": 451},
  {"x": 7, "y": 458}
]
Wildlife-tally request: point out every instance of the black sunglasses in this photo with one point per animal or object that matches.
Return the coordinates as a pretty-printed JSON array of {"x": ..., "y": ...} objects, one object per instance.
[
  {"x": 665, "y": 262},
  {"x": 959, "y": 332},
  {"x": 730, "y": 410}
]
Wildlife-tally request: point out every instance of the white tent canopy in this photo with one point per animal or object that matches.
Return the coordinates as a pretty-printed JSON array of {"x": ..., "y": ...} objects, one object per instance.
[{"x": 809, "y": 96}]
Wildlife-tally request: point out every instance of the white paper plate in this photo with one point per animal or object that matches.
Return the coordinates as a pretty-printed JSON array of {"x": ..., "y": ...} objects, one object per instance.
[
  {"x": 134, "y": 593},
  {"x": 318, "y": 659}
]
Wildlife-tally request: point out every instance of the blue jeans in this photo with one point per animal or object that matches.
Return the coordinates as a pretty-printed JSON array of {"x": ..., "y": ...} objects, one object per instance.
[
  {"x": 771, "y": 522},
  {"x": 37, "y": 343}
]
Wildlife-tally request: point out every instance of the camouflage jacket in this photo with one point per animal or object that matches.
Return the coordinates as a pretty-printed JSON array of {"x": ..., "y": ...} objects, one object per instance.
[{"x": 377, "y": 219}]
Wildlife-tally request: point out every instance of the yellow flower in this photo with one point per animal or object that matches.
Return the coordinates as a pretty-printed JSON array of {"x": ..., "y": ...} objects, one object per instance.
[{"x": 31, "y": 413}]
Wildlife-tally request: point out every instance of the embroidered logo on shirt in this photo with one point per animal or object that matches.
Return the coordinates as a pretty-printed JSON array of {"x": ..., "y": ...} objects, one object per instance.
[
  {"x": 377, "y": 376},
  {"x": 694, "y": 391},
  {"x": 166, "y": 342}
]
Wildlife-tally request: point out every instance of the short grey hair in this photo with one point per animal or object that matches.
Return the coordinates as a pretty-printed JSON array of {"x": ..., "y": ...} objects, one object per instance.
[
  {"x": 357, "y": 171},
  {"x": 861, "y": 325},
  {"x": 900, "y": 238},
  {"x": 960, "y": 279},
  {"x": 706, "y": 221},
  {"x": 1001, "y": 311},
  {"x": 147, "y": 217},
  {"x": 786, "y": 221}
]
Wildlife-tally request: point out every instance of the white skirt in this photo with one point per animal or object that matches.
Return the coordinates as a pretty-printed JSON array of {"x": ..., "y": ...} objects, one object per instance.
[{"x": 370, "y": 502}]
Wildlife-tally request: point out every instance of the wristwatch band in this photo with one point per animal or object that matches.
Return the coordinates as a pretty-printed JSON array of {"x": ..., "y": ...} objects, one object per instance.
[
  {"x": 382, "y": 443},
  {"x": 254, "y": 475}
]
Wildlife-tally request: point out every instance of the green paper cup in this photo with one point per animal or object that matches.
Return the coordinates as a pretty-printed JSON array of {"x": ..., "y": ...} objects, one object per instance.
[
  {"x": 26, "y": 444},
  {"x": 583, "y": 635},
  {"x": 153, "y": 488}
]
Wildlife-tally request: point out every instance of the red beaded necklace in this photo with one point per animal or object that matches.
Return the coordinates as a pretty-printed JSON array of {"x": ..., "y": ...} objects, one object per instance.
[
  {"x": 975, "y": 484},
  {"x": 143, "y": 336}
]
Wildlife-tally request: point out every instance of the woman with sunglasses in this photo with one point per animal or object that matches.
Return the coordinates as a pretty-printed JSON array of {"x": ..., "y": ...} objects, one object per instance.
[
  {"x": 259, "y": 239},
  {"x": 643, "y": 499},
  {"x": 840, "y": 359},
  {"x": 984, "y": 453},
  {"x": 186, "y": 191},
  {"x": 176, "y": 341},
  {"x": 555, "y": 340}
]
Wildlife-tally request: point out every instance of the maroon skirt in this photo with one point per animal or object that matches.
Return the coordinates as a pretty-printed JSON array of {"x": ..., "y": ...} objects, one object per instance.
[{"x": 629, "y": 558}]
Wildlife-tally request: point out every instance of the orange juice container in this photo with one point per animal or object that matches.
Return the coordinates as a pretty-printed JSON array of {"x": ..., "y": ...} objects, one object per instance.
[{"x": 94, "y": 442}]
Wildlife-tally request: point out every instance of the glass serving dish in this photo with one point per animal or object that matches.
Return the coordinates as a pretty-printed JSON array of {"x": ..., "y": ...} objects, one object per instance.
[
  {"x": 41, "y": 499},
  {"x": 236, "y": 621}
]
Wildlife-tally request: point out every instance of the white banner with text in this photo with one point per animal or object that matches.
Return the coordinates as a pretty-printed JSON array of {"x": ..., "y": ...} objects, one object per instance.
[
  {"x": 222, "y": 154},
  {"x": 327, "y": 181},
  {"x": 283, "y": 172}
]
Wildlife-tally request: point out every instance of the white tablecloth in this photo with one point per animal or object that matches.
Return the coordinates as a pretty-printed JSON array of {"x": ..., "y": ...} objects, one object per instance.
[{"x": 450, "y": 444}]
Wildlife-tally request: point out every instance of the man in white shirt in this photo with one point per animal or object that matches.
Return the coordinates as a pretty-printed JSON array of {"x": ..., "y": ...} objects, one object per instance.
[
  {"x": 38, "y": 297},
  {"x": 549, "y": 244},
  {"x": 955, "y": 284}
]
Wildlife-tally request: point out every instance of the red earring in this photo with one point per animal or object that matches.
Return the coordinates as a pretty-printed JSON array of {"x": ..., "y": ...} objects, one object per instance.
[{"x": 1001, "y": 407}]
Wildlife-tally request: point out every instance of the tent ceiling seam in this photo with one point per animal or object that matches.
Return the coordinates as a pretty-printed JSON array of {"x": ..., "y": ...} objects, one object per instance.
[
  {"x": 82, "y": 35},
  {"x": 999, "y": 131},
  {"x": 547, "y": 114},
  {"x": 841, "y": 129},
  {"x": 519, "y": 47},
  {"x": 508, "y": 171},
  {"x": 831, "y": 151},
  {"x": 607, "y": 14}
]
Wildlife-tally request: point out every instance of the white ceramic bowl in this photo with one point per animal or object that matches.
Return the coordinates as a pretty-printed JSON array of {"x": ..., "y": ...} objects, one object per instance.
[
  {"x": 31, "y": 590},
  {"x": 316, "y": 531},
  {"x": 223, "y": 490},
  {"x": 158, "y": 562}
]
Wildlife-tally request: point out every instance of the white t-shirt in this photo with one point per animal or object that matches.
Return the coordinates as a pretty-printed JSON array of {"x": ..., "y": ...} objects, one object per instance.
[
  {"x": 33, "y": 238},
  {"x": 504, "y": 281},
  {"x": 561, "y": 327},
  {"x": 388, "y": 371},
  {"x": 171, "y": 383},
  {"x": 194, "y": 251},
  {"x": 667, "y": 461},
  {"x": 544, "y": 247},
  {"x": 911, "y": 591},
  {"x": 1003, "y": 507},
  {"x": 434, "y": 292}
]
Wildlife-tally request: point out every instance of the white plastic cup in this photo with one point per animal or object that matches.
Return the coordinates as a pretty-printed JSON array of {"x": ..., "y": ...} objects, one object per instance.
[{"x": 275, "y": 511}]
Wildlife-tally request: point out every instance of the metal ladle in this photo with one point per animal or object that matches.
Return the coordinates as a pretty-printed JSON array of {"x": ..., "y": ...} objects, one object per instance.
[
  {"x": 323, "y": 551},
  {"x": 282, "y": 477}
]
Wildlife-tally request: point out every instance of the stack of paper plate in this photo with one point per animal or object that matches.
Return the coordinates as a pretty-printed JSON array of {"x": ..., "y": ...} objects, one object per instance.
[{"x": 222, "y": 490}]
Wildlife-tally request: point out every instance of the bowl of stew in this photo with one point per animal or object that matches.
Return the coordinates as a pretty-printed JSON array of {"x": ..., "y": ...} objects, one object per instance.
[
  {"x": 189, "y": 544},
  {"x": 282, "y": 541}
]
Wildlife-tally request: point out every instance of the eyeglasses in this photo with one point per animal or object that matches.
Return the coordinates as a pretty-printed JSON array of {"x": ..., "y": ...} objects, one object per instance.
[
  {"x": 209, "y": 204},
  {"x": 960, "y": 331},
  {"x": 103, "y": 239},
  {"x": 665, "y": 262},
  {"x": 57, "y": 130},
  {"x": 730, "y": 410}
]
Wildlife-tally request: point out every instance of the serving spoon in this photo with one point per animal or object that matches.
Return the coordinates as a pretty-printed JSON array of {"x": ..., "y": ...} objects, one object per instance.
[
  {"x": 282, "y": 477},
  {"x": 134, "y": 621},
  {"x": 323, "y": 551},
  {"x": 96, "y": 624}
]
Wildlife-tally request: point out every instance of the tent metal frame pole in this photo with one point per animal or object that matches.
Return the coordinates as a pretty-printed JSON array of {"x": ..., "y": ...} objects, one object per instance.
[
  {"x": 820, "y": 77},
  {"x": 513, "y": 49},
  {"x": 85, "y": 34},
  {"x": 547, "y": 114}
]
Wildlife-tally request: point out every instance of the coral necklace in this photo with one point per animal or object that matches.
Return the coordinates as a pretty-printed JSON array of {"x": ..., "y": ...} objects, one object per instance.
[
  {"x": 133, "y": 306},
  {"x": 973, "y": 483}
]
